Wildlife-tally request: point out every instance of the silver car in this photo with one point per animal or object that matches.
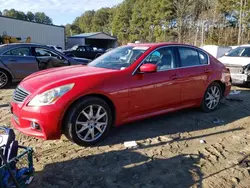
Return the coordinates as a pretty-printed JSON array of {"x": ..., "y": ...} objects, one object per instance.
[{"x": 20, "y": 60}]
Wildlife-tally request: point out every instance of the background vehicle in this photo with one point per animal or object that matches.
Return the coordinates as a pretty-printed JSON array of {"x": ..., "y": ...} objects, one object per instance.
[
  {"x": 55, "y": 47},
  {"x": 84, "y": 51},
  {"x": 125, "y": 84},
  {"x": 238, "y": 61},
  {"x": 20, "y": 60}
]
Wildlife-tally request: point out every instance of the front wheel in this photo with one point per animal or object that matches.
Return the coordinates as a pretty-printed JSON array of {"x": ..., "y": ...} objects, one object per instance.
[
  {"x": 212, "y": 98},
  {"x": 88, "y": 121}
]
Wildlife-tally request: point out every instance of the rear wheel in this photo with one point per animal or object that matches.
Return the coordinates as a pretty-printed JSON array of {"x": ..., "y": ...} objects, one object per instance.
[
  {"x": 4, "y": 79},
  {"x": 212, "y": 97},
  {"x": 88, "y": 121}
]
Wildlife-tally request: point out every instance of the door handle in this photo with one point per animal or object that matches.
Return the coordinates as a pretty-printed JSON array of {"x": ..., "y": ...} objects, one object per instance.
[{"x": 174, "y": 77}]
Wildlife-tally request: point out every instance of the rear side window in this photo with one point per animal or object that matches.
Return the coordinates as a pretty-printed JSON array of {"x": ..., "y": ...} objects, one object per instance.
[
  {"x": 19, "y": 52},
  {"x": 189, "y": 57},
  {"x": 203, "y": 58}
]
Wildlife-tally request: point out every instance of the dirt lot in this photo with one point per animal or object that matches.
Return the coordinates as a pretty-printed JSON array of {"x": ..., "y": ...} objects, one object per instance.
[{"x": 169, "y": 152}]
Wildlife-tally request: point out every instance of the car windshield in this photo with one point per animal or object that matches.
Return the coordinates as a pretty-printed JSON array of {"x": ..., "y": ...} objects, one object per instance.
[
  {"x": 74, "y": 47},
  {"x": 119, "y": 58},
  {"x": 239, "y": 52}
]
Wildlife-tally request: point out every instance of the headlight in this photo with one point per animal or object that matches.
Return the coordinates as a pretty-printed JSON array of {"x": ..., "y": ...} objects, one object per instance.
[{"x": 50, "y": 96}]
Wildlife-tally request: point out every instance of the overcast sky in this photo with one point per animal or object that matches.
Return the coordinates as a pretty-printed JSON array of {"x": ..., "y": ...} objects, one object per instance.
[{"x": 61, "y": 11}]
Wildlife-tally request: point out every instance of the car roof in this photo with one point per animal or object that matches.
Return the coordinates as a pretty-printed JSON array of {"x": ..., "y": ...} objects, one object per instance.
[
  {"x": 155, "y": 45},
  {"x": 5, "y": 47}
]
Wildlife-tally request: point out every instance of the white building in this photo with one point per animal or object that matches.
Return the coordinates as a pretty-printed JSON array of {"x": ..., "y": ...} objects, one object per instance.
[{"x": 39, "y": 33}]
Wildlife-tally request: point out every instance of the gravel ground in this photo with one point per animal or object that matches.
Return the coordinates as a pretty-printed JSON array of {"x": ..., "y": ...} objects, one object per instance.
[{"x": 170, "y": 152}]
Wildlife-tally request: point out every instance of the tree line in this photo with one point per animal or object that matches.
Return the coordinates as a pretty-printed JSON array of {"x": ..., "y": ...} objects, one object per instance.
[
  {"x": 196, "y": 22},
  {"x": 39, "y": 17}
]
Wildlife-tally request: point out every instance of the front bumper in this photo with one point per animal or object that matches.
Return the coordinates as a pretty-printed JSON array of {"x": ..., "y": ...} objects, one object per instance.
[
  {"x": 48, "y": 119},
  {"x": 239, "y": 78}
]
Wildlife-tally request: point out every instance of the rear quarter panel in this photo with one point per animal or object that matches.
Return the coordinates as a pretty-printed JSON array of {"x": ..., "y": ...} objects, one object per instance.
[{"x": 220, "y": 73}]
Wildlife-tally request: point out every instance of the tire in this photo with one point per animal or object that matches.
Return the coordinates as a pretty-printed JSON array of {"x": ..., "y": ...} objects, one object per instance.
[
  {"x": 4, "y": 79},
  {"x": 207, "y": 105},
  {"x": 81, "y": 112}
]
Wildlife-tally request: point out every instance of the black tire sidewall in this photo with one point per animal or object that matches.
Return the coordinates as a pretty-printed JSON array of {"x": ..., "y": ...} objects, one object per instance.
[
  {"x": 203, "y": 105},
  {"x": 8, "y": 77},
  {"x": 73, "y": 113}
]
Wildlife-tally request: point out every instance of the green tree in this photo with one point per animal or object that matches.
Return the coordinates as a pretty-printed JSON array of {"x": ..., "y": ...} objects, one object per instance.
[
  {"x": 41, "y": 17},
  {"x": 100, "y": 21},
  {"x": 30, "y": 16},
  {"x": 85, "y": 21},
  {"x": 122, "y": 15}
]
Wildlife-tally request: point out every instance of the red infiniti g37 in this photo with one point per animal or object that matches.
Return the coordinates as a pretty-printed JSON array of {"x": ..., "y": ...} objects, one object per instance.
[{"x": 128, "y": 83}]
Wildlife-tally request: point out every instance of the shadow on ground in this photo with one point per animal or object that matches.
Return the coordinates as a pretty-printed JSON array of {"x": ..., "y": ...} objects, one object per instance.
[
  {"x": 183, "y": 121},
  {"x": 129, "y": 168},
  {"x": 122, "y": 169}
]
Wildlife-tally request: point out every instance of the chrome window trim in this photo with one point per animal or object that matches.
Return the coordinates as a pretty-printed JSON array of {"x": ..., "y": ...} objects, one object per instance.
[{"x": 169, "y": 46}]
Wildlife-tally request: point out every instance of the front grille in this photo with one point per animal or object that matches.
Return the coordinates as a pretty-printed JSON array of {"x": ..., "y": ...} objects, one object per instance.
[{"x": 20, "y": 94}]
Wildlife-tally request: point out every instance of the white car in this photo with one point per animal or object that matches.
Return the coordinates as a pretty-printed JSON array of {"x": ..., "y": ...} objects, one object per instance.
[
  {"x": 238, "y": 61},
  {"x": 57, "y": 48}
]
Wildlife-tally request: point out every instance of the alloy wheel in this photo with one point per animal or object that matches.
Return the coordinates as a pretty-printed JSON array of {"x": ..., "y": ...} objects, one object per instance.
[
  {"x": 91, "y": 123},
  {"x": 212, "y": 98},
  {"x": 3, "y": 79}
]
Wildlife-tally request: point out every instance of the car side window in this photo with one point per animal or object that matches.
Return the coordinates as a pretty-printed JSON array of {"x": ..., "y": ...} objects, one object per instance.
[
  {"x": 164, "y": 58},
  {"x": 203, "y": 58},
  {"x": 19, "y": 52},
  {"x": 246, "y": 52},
  {"x": 41, "y": 52},
  {"x": 81, "y": 49},
  {"x": 188, "y": 56}
]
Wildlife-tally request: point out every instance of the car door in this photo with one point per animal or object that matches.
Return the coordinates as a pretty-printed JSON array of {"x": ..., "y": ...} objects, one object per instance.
[
  {"x": 194, "y": 72},
  {"x": 48, "y": 59},
  {"x": 151, "y": 92},
  {"x": 20, "y": 61}
]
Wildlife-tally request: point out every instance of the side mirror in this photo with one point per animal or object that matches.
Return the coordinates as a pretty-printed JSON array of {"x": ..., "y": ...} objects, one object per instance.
[{"x": 148, "y": 68}]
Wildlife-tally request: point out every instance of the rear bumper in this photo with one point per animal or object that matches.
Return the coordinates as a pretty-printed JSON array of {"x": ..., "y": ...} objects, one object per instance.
[{"x": 47, "y": 118}]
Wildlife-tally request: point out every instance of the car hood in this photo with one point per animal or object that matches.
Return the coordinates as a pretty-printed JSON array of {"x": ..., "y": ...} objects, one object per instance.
[
  {"x": 234, "y": 61},
  {"x": 56, "y": 75}
]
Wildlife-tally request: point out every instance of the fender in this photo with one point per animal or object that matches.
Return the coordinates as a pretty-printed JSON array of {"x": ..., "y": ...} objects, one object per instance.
[{"x": 4, "y": 67}]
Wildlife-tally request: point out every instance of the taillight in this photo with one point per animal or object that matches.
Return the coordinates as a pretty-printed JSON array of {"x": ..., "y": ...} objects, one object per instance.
[{"x": 226, "y": 76}]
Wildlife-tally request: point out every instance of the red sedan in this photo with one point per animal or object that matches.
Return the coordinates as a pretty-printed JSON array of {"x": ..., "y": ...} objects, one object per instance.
[{"x": 128, "y": 83}]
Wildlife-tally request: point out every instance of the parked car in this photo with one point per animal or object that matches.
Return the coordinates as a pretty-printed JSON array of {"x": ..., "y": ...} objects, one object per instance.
[
  {"x": 238, "y": 61},
  {"x": 56, "y": 47},
  {"x": 20, "y": 60},
  {"x": 85, "y": 101},
  {"x": 84, "y": 51},
  {"x": 216, "y": 51}
]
